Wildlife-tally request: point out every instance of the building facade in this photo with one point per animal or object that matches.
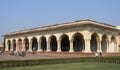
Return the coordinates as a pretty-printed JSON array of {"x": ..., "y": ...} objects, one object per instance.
[{"x": 85, "y": 36}]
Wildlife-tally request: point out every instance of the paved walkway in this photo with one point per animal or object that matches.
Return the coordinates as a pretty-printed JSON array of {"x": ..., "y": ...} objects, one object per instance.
[
  {"x": 27, "y": 57},
  {"x": 43, "y": 55}
]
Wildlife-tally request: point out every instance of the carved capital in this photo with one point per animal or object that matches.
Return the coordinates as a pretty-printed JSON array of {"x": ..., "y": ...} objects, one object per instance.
[{"x": 87, "y": 40}]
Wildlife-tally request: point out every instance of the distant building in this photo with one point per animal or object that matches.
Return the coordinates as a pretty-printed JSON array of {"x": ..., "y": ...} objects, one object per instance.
[{"x": 85, "y": 36}]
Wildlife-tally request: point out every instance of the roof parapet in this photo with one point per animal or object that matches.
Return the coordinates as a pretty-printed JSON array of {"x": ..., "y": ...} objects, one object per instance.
[{"x": 61, "y": 25}]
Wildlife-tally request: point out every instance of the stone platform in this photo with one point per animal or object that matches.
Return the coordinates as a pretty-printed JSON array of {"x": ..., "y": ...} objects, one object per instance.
[{"x": 51, "y": 55}]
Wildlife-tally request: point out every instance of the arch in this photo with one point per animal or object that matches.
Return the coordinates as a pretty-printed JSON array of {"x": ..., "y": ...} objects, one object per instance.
[
  {"x": 78, "y": 42},
  {"x": 26, "y": 42},
  {"x": 14, "y": 44},
  {"x": 65, "y": 44},
  {"x": 43, "y": 43},
  {"x": 104, "y": 43},
  {"x": 9, "y": 45},
  {"x": 19, "y": 44},
  {"x": 34, "y": 44},
  {"x": 113, "y": 44},
  {"x": 94, "y": 42},
  {"x": 53, "y": 43}
]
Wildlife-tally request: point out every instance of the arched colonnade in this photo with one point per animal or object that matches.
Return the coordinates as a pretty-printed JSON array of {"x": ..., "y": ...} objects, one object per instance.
[{"x": 76, "y": 42}]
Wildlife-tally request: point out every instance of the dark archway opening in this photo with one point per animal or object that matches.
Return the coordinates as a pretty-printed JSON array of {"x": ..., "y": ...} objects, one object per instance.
[
  {"x": 104, "y": 43},
  {"x": 34, "y": 44},
  {"x": 43, "y": 44},
  {"x": 78, "y": 43},
  {"x": 9, "y": 45},
  {"x": 20, "y": 44},
  {"x": 93, "y": 42},
  {"x": 65, "y": 45},
  {"x": 26, "y": 44},
  {"x": 14, "y": 45},
  {"x": 53, "y": 43}
]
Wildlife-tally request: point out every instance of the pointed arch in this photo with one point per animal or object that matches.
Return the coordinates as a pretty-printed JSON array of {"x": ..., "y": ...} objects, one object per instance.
[
  {"x": 65, "y": 43},
  {"x": 26, "y": 42},
  {"x": 43, "y": 43},
  {"x": 19, "y": 44},
  {"x": 113, "y": 43},
  {"x": 78, "y": 42},
  {"x": 34, "y": 44},
  {"x": 53, "y": 43},
  {"x": 104, "y": 43},
  {"x": 14, "y": 44},
  {"x": 94, "y": 42}
]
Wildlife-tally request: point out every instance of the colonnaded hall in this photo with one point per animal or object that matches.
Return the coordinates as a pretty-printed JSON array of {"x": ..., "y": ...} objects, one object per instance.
[{"x": 86, "y": 36}]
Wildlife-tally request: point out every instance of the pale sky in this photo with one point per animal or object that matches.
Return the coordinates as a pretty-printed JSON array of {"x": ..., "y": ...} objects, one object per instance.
[{"x": 18, "y": 15}]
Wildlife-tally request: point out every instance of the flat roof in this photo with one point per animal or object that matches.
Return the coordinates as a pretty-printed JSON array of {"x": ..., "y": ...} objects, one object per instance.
[{"x": 63, "y": 25}]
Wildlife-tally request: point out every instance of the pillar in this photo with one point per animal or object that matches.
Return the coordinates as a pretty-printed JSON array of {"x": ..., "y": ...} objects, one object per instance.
[
  {"x": 58, "y": 45},
  {"x": 11, "y": 49},
  {"x": 48, "y": 44},
  {"x": 87, "y": 38},
  {"x": 99, "y": 40},
  {"x": 71, "y": 46},
  {"x": 87, "y": 45},
  {"x": 30, "y": 47},
  {"x": 109, "y": 39},
  {"x": 39, "y": 46},
  {"x": 16, "y": 44},
  {"x": 99, "y": 45},
  {"x": 30, "y": 44},
  {"x": 23, "y": 44},
  {"x": 116, "y": 44},
  {"x": 6, "y": 43}
]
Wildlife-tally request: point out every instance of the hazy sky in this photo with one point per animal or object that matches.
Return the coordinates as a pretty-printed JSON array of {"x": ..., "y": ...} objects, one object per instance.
[{"x": 18, "y": 15}]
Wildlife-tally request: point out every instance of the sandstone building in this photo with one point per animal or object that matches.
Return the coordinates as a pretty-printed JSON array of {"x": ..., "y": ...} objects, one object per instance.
[{"x": 85, "y": 36}]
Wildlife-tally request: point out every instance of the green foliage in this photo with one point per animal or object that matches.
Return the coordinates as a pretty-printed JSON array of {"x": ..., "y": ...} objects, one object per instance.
[
  {"x": 70, "y": 66},
  {"x": 17, "y": 63}
]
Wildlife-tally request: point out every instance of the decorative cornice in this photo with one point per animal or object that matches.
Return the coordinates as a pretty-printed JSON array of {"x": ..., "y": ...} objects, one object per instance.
[{"x": 63, "y": 26}]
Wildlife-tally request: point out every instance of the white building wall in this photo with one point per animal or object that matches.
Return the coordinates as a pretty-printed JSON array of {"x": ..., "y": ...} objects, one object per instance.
[{"x": 86, "y": 31}]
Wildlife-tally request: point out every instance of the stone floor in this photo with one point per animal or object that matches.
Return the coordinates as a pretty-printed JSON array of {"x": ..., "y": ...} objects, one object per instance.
[
  {"x": 27, "y": 57},
  {"x": 42, "y": 55},
  {"x": 52, "y": 55}
]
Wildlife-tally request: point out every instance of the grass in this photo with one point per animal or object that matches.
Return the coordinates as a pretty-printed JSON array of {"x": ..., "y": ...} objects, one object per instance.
[{"x": 70, "y": 66}]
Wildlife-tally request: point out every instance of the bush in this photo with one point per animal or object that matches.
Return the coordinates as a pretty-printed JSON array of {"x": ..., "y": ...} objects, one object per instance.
[{"x": 17, "y": 63}]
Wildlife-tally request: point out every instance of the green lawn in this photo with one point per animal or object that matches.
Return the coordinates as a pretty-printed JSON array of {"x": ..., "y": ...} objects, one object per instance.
[{"x": 70, "y": 66}]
